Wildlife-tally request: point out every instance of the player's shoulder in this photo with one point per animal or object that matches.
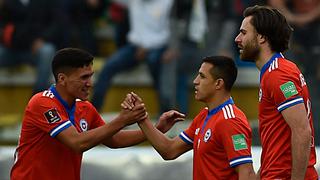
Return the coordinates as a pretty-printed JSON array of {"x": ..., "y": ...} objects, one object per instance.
[
  {"x": 231, "y": 114},
  {"x": 84, "y": 103},
  {"x": 202, "y": 114},
  {"x": 231, "y": 111},
  {"x": 281, "y": 66},
  {"x": 42, "y": 98}
]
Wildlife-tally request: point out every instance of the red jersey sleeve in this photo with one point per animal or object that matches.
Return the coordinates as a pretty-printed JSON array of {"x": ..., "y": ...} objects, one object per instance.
[
  {"x": 44, "y": 113},
  {"x": 188, "y": 135},
  {"x": 285, "y": 87},
  {"x": 235, "y": 136}
]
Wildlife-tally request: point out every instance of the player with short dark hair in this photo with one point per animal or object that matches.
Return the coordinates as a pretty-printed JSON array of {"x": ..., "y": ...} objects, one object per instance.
[
  {"x": 219, "y": 135},
  {"x": 59, "y": 124},
  {"x": 285, "y": 116}
]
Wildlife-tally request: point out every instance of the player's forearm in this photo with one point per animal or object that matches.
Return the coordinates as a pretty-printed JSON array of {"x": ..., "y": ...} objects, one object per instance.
[
  {"x": 246, "y": 172},
  {"x": 158, "y": 140},
  {"x": 300, "y": 141},
  {"x": 125, "y": 138},
  {"x": 89, "y": 139}
]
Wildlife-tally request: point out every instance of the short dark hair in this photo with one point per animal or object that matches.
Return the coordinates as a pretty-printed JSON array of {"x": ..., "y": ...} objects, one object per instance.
[
  {"x": 224, "y": 68},
  {"x": 69, "y": 58},
  {"x": 269, "y": 22}
]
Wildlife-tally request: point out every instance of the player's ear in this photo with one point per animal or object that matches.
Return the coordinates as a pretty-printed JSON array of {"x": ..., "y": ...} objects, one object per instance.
[
  {"x": 219, "y": 83},
  {"x": 62, "y": 79},
  {"x": 262, "y": 39}
]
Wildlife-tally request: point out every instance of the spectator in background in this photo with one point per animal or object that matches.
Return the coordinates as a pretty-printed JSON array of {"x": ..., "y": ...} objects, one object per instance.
[
  {"x": 81, "y": 18},
  {"x": 147, "y": 41},
  {"x": 304, "y": 15},
  {"x": 118, "y": 13},
  {"x": 181, "y": 61},
  {"x": 215, "y": 24},
  {"x": 30, "y": 31}
]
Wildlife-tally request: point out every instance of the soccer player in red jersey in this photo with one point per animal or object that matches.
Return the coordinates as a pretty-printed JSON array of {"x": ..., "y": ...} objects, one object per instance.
[
  {"x": 285, "y": 117},
  {"x": 59, "y": 124},
  {"x": 219, "y": 135}
]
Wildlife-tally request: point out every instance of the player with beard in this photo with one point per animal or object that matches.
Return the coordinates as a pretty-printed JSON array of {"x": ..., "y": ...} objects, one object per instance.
[{"x": 285, "y": 117}]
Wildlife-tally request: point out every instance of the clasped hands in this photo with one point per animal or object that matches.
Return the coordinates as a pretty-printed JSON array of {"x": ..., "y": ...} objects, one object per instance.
[{"x": 132, "y": 102}]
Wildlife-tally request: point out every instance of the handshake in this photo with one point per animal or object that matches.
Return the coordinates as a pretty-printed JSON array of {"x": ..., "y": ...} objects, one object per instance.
[{"x": 133, "y": 110}]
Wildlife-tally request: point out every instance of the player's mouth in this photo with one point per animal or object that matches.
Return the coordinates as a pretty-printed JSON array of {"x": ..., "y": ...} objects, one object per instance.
[
  {"x": 240, "y": 49},
  {"x": 195, "y": 90},
  {"x": 86, "y": 91}
]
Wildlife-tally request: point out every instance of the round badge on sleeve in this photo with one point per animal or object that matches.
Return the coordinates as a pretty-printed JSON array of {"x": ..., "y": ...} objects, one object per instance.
[
  {"x": 83, "y": 125},
  {"x": 207, "y": 135}
]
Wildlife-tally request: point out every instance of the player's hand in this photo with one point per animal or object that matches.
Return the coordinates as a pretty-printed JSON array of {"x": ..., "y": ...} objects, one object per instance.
[
  {"x": 128, "y": 102},
  {"x": 137, "y": 99},
  {"x": 168, "y": 119},
  {"x": 138, "y": 113}
]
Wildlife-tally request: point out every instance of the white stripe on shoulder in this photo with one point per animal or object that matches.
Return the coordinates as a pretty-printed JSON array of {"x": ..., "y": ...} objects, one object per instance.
[
  {"x": 232, "y": 112},
  {"x": 274, "y": 65},
  {"x": 224, "y": 113},
  {"x": 228, "y": 112},
  {"x": 48, "y": 93}
]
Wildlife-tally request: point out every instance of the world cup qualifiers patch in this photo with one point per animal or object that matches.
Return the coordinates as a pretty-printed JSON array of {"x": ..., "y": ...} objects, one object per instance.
[
  {"x": 239, "y": 142},
  {"x": 288, "y": 89},
  {"x": 52, "y": 116}
]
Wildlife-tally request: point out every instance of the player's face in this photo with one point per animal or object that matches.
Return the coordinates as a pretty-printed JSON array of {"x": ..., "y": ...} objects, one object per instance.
[
  {"x": 204, "y": 84},
  {"x": 79, "y": 82},
  {"x": 247, "y": 41}
]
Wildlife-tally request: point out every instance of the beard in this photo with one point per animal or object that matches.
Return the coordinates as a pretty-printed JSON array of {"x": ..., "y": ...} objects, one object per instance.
[{"x": 250, "y": 52}]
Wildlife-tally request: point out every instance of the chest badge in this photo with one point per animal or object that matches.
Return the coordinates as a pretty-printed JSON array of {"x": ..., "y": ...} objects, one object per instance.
[
  {"x": 207, "y": 135},
  {"x": 83, "y": 125}
]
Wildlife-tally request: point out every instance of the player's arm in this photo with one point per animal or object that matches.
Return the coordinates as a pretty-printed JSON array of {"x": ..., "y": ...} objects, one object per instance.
[
  {"x": 168, "y": 148},
  {"x": 246, "y": 172},
  {"x": 296, "y": 117},
  {"x": 126, "y": 138},
  {"x": 81, "y": 142}
]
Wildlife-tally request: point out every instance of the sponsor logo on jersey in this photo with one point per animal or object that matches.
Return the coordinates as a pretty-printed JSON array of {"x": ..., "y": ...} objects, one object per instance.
[
  {"x": 83, "y": 125},
  {"x": 52, "y": 116},
  {"x": 207, "y": 135},
  {"x": 288, "y": 89},
  {"x": 239, "y": 142}
]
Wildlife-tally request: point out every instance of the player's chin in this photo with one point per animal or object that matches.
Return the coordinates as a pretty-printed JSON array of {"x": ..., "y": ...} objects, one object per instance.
[
  {"x": 196, "y": 96},
  {"x": 84, "y": 96}
]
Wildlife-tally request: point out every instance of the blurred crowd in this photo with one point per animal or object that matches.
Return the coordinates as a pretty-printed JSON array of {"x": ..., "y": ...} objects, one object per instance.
[{"x": 170, "y": 36}]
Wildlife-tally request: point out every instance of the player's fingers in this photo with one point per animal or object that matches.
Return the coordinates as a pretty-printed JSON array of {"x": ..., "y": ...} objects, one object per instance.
[
  {"x": 136, "y": 96},
  {"x": 127, "y": 105}
]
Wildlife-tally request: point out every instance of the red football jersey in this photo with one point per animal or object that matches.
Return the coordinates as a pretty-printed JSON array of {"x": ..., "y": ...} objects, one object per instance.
[
  {"x": 221, "y": 140},
  {"x": 39, "y": 155},
  {"x": 282, "y": 85}
]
